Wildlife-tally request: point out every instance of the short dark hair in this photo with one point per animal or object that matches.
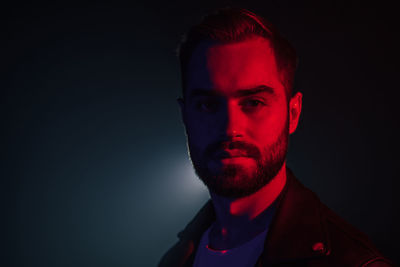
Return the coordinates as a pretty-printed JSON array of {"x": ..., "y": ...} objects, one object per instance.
[{"x": 234, "y": 25}]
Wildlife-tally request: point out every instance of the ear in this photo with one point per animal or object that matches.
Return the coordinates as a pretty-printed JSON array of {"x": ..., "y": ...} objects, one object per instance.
[
  {"x": 294, "y": 111},
  {"x": 181, "y": 103}
]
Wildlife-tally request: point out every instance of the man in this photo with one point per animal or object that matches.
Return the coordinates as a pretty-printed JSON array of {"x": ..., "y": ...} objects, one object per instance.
[{"x": 238, "y": 107}]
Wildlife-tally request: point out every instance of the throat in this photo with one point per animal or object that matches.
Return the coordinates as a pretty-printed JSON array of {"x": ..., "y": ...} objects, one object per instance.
[{"x": 240, "y": 220}]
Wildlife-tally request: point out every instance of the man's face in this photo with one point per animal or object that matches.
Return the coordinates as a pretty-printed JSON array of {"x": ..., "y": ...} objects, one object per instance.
[{"x": 236, "y": 116}]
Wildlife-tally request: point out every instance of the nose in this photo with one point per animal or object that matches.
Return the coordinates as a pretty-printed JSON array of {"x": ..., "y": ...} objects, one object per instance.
[{"x": 233, "y": 126}]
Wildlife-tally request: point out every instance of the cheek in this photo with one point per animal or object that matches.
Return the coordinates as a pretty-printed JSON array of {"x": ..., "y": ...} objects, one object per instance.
[
  {"x": 198, "y": 135},
  {"x": 268, "y": 128},
  {"x": 201, "y": 128}
]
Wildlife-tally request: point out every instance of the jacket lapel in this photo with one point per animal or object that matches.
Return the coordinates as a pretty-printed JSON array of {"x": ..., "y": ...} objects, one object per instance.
[
  {"x": 193, "y": 232},
  {"x": 297, "y": 232}
]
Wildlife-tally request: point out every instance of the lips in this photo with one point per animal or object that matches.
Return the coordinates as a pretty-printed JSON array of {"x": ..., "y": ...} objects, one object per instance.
[{"x": 231, "y": 153}]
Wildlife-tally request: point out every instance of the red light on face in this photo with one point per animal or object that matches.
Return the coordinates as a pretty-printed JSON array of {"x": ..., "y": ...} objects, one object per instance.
[
  {"x": 245, "y": 162},
  {"x": 236, "y": 115}
]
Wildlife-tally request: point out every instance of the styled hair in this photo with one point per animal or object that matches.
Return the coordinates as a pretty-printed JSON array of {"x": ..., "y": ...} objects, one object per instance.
[{"x": 230, "y": 25}]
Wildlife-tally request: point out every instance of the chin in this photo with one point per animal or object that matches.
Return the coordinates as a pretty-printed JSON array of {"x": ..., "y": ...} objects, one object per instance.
[{"x": 232, "y": 181}]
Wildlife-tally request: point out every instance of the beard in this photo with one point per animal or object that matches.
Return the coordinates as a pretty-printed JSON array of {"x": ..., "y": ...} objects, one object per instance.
[{"x": 235, "y": 180}]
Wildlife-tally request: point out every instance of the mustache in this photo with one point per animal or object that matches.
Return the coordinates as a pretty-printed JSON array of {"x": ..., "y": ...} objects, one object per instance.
[{"x": 249, "y": 149}]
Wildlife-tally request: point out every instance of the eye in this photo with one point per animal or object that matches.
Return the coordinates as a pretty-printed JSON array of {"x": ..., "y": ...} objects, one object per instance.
[
  {"x": 207, "y": 105},
  {"x": 252, "y": 104}
]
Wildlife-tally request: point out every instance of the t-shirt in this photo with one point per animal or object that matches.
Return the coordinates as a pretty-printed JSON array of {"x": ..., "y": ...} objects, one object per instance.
[{"x": 245, "y": 255}]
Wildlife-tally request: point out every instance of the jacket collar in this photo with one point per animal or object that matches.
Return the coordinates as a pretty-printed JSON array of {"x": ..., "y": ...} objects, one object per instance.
[{"x": 296, "y": 232}]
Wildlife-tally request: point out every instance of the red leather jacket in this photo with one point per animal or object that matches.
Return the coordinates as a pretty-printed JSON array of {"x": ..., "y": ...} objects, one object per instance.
[{"x": 304, "y": 232}]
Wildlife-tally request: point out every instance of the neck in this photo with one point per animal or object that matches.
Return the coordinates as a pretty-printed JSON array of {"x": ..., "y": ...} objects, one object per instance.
[{"x": 235, "y": 222}]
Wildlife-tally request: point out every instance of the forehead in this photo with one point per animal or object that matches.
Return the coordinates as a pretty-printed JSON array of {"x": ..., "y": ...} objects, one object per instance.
[{"x": 227, "y": 67}]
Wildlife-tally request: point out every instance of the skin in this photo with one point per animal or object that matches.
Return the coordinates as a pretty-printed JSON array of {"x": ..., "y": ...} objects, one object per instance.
[{"x": 229, "y": 109}]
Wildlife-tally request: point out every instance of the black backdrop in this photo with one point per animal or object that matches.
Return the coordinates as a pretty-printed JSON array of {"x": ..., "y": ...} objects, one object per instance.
[{"x": 94, "y": 163}]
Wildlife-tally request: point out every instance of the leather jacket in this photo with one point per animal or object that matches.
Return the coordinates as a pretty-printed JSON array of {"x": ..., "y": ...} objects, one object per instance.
[{"x": 303, "y": 232}]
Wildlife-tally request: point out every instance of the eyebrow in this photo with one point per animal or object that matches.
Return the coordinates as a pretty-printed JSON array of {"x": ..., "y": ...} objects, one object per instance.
[
  {"x": 254, "y": 91},
  {"x": 239, "y": 93}
]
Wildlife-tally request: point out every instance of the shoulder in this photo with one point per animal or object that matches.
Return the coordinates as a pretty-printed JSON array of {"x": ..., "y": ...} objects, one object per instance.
[
  {"x": 348, "y": 245},
  {"x": 178, "y": 254},
  {"x": 333, "y": 241}
]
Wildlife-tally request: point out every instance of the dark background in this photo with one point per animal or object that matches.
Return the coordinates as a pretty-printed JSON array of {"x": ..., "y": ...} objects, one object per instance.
[{"x": 94, "y": 165}]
